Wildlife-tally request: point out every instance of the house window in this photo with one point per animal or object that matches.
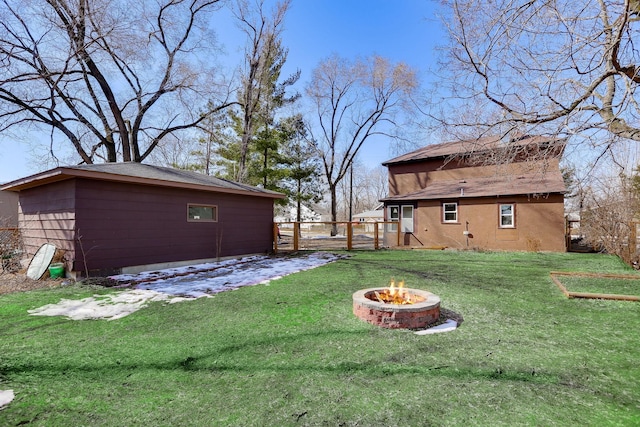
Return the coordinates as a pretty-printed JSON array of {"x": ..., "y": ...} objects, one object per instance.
[
  {"x": 202, "y": 213},
  {"x": 394, "y": 216},
  {"x": 507, "y": 217},
  {"x": 407, "y": 219},
  {"x": 449, "y": 212}
]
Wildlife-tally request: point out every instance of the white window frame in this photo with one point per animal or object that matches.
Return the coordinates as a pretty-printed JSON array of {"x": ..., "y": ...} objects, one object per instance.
[
  {"x": 191, "y": 217},
  {"x": 445, "y": 212},
  {"x": 502, "y": 216},
  {"x": 406, "y": 222}
]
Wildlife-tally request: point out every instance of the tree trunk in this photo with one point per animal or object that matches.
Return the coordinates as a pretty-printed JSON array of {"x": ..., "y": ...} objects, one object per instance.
[
  {"x": 265, "y": 164},
  {"x": 299, "y": 202},
  {"x": 334, "y": 209}
]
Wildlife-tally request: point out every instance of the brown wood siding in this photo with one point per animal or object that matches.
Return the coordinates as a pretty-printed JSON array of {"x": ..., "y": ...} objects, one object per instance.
[
  {"x": 129, "y": 224},
  {"x": 47, "y": 215}
]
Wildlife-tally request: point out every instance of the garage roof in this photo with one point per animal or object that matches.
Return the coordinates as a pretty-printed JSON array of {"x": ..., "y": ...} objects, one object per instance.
[{"x": 139, "y": 173}]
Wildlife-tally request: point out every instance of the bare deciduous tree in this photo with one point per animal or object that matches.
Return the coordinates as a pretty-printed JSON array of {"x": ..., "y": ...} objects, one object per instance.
[
  {"x": 175, "y": 153},
  {"x": 362, "y": 192},
  {"x": 263, "y": 53},
  {"x": 564, "y": 67},
  {"x": 353, "y": 101},
  {"x": 608, "y": 215},
  {"x": 375, "y": 186},
  {"x": 113, "y": 77}
]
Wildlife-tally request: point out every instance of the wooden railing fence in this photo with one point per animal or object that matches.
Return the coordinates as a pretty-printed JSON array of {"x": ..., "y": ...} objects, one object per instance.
[{"x": 295, "y": 236}]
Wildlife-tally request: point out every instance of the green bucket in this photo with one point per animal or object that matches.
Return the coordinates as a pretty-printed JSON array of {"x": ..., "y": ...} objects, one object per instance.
[{"x": 56, "y": 270}]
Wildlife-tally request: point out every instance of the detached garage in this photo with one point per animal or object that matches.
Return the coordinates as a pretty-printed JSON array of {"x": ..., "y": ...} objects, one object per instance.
[{"x": 127, "y": 217}]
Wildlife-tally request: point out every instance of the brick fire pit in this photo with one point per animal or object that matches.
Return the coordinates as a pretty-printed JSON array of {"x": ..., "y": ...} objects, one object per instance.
[{"x": 418, "y": 315}]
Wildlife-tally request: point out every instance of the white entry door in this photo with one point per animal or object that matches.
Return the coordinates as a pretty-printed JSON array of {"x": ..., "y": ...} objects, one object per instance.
[{"x": 407, "y": 219}]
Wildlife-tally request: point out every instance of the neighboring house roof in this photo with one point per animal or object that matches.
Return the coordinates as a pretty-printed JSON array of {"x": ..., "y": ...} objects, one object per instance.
[
  {"x": 370, "y": 214},
  {"x": 138, "y": 173},
  {"x": 480, "y": 145},
  {"x": 498, "y": 185},
  {"x": 290, "y": 212},
  {"x": 573, "y": 216}
]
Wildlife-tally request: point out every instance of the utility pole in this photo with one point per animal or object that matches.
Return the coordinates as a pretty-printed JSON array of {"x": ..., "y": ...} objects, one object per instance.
[{"x": 351, "y": 194}]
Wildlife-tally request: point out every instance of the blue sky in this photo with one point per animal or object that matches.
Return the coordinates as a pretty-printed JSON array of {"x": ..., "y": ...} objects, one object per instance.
[{"x": 400, "y": 30}]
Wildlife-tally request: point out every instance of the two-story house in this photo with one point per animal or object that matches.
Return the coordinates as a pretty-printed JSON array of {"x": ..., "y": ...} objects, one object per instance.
[{"x": 484, "y": 194}]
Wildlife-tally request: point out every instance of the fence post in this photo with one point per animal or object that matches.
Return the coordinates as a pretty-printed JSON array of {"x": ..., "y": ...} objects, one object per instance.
[
  {"x": 634, "y": 234},
  {"x": 349, "y": 236},
  {"x": 376, "y": 236},
  {"x": 296, "y": 236},
  {"x": 275, "y": 238},
  {"x": 633, "y": 241}
]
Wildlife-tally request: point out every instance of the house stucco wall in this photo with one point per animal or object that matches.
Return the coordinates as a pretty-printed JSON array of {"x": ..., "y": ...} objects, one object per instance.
[
  {"x": 539, "y": 225},
  {"x": 466, "y": 176}
]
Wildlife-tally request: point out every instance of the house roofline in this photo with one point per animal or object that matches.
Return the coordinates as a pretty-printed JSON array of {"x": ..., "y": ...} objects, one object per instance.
[
  {"x": 476, "y": 146},
  {"x": 483, "y": 187},
  {"x": 65, "y": 173},
  {"x": 415, "y": 198}
]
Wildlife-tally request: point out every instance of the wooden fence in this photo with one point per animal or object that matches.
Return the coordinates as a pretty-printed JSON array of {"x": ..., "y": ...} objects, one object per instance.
[{"x": 294, "y": 236}]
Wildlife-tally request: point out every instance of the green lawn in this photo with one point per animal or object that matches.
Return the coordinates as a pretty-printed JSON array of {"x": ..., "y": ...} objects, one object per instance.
[{"x": 292, "y": 353}]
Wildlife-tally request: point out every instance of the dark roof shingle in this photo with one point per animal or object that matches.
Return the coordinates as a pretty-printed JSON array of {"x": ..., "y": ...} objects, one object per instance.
[
  {"x": 142, "y": 173},
  {"x": 499, "y": 185},
  {"x": 480, "y": 145}
]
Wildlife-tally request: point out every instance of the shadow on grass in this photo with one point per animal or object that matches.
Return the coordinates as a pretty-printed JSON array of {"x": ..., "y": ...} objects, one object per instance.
[
  {"x": 211, "y": 363},
  {"x": 399, "y": 267}
]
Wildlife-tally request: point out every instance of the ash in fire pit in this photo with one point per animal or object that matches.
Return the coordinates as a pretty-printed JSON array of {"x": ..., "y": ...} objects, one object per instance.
[{"x": 397, "y": 307}]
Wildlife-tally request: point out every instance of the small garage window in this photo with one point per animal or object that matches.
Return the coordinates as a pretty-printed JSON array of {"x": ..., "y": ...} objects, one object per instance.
[{"x": 202, "y": 213}]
